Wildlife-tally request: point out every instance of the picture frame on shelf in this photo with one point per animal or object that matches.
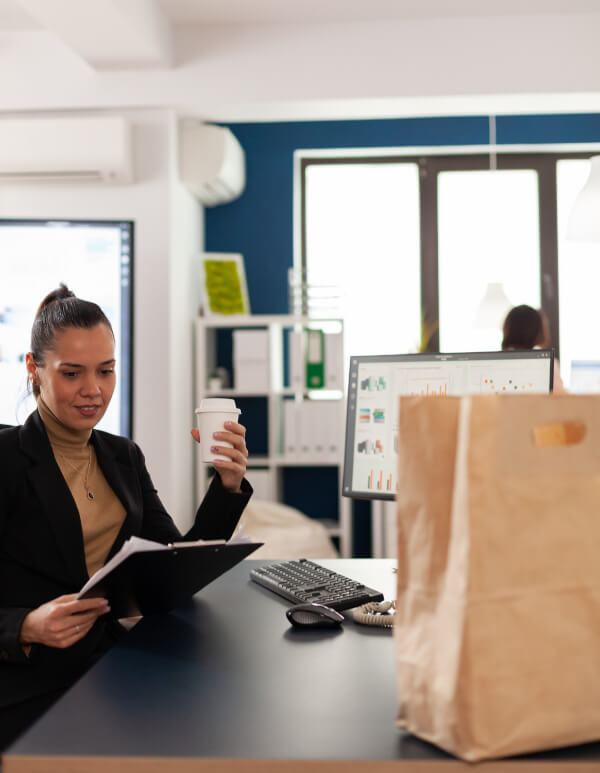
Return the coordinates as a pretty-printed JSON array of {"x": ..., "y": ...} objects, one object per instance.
[{"x": 224, "y": 288}]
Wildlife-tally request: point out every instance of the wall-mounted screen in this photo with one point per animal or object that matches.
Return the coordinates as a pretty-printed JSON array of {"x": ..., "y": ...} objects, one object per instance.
[
  {"x": 375, "y": 383},
  {"x": 95, "y": 260}
]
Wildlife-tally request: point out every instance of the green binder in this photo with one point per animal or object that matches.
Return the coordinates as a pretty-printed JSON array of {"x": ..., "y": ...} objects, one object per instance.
[{"x": 315, "y": 359}]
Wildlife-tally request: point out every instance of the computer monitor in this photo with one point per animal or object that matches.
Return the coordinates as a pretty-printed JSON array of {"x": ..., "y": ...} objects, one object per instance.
[
  {"x": 95, "y": 259},
  {"x": 375, "y": 382},
  {"x": 585, "y": 377}
]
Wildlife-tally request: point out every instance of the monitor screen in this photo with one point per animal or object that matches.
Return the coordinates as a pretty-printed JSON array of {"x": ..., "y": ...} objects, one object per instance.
[
  {"x": 375, "y": 383},
  {"x": 585, "y": 377},
  {"x": 95, "y": 260}
]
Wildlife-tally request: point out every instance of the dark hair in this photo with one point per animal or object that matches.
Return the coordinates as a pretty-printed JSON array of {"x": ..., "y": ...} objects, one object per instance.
[
  {"x": 61, "y": 309},
  {"x": 523, "y": 328}
]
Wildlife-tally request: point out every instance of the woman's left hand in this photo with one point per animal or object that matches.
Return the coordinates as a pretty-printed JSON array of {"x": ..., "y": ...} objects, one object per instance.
[{"x": 231, "y": 472}]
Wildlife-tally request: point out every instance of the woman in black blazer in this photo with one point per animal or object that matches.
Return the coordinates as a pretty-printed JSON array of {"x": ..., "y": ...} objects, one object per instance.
[{"x": 47, "y": 498}]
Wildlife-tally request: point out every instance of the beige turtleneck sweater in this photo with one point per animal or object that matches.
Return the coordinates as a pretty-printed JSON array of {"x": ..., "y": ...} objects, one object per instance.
[{"x": 100, "y": 510}]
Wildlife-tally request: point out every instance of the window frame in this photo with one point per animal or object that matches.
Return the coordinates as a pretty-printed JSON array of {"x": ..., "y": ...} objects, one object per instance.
[{"x": 431, "y": 162}]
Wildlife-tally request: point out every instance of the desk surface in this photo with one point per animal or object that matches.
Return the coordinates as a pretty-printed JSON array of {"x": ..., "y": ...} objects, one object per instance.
[{"x": 226, "y": 683}]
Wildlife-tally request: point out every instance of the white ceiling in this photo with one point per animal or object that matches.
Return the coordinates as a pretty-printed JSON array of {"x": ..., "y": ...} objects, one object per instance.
[
  {"x": 254, "y": 11},
  {"x": 14, "y": 16},
  {"x": 290, "y": 59}
]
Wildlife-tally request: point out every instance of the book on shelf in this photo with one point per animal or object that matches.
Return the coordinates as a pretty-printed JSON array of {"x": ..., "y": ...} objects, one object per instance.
[{"x": 147, "y": 577}]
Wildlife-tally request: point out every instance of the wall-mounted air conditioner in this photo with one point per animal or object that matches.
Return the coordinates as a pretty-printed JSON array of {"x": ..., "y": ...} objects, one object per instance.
[
  {"x": 211, "y": 162},
  {"x": 95, "y": 149}
]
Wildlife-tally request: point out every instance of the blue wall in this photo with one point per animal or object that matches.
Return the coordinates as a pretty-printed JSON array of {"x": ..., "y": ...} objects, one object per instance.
[{"x": 259, "y": 224}]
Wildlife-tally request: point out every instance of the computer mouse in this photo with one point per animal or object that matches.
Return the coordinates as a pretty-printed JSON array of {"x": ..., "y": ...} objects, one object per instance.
[{"x": 314, "y": 615}]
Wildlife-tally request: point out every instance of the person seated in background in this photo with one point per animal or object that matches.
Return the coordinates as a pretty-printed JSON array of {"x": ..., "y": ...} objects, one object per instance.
[
  {"x": 528, "y": 328},
  {"x": 70, "y": 496}
]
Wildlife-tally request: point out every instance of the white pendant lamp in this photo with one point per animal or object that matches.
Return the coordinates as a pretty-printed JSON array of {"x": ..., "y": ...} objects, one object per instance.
[
  {"x": 493, "y": 307},
  {"x": 584, "y": 220}
]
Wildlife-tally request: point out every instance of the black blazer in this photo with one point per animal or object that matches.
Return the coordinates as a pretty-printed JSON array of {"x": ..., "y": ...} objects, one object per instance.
[{"x": 42, "y": 553}]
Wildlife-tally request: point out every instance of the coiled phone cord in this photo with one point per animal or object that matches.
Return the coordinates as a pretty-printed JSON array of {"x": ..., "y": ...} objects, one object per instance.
[{"x": 380, "y": 613}]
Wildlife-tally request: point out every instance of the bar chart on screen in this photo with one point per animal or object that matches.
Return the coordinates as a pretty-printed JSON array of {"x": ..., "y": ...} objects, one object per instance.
[
  {"x": 428, "y": 387},
  {"x": 378, "y": 480}
]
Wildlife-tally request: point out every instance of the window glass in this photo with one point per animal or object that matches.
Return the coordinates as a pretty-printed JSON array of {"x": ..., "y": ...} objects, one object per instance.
[
  {"x": 578, "y": 276},
  {"x": 488, "y": 231},
  {"x": 363, "y": 235}
]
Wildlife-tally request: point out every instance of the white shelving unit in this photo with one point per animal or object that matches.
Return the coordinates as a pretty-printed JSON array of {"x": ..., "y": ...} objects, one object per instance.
[{"x": 276, "y": 460}]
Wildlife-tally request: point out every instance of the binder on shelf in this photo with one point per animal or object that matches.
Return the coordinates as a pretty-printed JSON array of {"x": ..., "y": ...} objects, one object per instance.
[
  {"x": 318, "y": 419},
  {"x": 310, "y": 430},
  {"x": 290, "y": 428},
  {"x": 296, "y": 360},
  {"x": 323, "y": 418},
  {"x": 316, "y": 359},
  {"x": 334, "y": 361},
  {"x": 306, "y": 430},
  {"x": 335, "y": 428},
  {"x": 315, "y": 365},
  {"x": 147, "y": 577}
]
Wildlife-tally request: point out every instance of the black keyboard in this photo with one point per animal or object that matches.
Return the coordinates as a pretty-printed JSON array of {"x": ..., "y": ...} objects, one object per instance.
[{"x": 302, "y": 581}]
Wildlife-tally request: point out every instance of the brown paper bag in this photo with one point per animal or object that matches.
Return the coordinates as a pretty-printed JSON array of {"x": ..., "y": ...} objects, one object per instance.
[{"x": 497, "y": 632}]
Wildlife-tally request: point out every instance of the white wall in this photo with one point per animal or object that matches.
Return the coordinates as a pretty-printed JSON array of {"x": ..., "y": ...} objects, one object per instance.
[
  {"x": 186, "y": 241},
  {"x": 395, "y": 65},
  {"x": 168, "y": 231}
]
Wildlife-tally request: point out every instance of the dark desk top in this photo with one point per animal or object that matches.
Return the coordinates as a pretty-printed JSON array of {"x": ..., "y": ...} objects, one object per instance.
[{"x": 227, "y": 682}]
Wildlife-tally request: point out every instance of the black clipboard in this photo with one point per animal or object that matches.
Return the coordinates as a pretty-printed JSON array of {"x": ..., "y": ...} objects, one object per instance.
[{"x": 153, "y": 582}]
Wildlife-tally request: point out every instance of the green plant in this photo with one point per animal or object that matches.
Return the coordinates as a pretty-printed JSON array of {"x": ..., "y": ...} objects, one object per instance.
[{"x": 428, "y": 329}]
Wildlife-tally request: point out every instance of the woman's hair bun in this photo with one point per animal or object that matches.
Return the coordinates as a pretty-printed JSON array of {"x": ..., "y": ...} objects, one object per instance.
[{"x": 61, "y": 292}]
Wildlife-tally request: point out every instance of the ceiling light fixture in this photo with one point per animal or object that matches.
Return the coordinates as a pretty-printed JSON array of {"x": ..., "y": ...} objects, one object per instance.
[
  {"x": 493, "y": 307},
  {"x": 584, "y": 220}
]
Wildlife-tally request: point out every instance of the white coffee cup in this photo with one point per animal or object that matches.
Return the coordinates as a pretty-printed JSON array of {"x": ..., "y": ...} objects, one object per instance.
[{"x": 211, "y": 417}]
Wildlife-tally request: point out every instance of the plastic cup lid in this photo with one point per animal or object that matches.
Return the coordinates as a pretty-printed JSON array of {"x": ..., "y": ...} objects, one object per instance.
[{"x": 217, "y": 404}]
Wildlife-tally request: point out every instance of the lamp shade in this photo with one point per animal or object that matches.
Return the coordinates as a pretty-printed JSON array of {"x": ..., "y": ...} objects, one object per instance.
[
  {"x": 493, "y": 308},
  {"x": 584, "y": 220}
]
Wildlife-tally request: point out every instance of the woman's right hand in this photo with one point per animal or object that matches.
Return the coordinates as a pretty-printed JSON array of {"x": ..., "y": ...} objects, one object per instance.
[{"x": 62, "y": 621}]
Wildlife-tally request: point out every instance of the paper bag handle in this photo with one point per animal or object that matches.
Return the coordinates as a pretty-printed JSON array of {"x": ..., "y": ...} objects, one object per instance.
[
  {"x": 548, "y": 434},
  {"x": 564, "y": 433}
]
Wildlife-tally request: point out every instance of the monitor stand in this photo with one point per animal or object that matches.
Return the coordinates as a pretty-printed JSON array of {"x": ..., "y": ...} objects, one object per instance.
[{"x": 383, "y": 529}]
